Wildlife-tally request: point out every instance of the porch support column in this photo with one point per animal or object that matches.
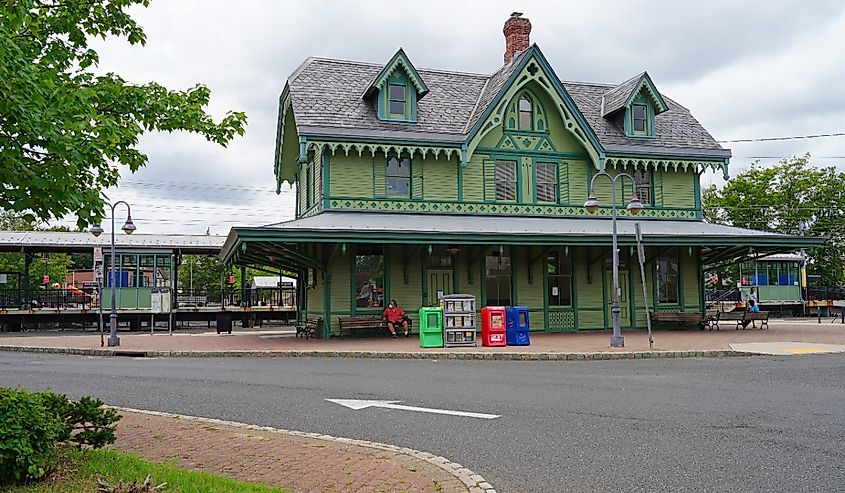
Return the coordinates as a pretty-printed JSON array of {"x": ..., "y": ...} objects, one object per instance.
[
  {"x": 243, "y": 285},
  {"x": 27, "y": 262}
]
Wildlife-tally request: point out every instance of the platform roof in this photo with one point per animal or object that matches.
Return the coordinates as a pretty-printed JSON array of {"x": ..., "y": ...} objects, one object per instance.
[
  {"x": 64, "y": 242},
  {"x": 286, "y": 239}
]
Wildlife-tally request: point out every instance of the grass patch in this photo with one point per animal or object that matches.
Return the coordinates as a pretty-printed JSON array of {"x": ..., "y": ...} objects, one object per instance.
[{"x": 78, "y": 469}]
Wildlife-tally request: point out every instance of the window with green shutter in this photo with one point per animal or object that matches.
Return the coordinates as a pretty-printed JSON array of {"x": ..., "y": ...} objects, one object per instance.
[
  {"x": 546, "y": 182},
  {"x": 505, "y": 180}
]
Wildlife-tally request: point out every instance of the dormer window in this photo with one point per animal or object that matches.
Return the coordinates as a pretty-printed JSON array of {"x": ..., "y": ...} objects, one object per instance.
[
  {"x": 397, "y": 99},
  {"x": 640, "y": 118},
  {"x": 396, "y": 90},
  {"x": 526, "y": 114},
  {"x": 641, "y": 103}
]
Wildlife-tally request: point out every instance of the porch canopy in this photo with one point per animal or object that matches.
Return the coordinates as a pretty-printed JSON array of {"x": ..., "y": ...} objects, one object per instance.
[{"x": 291, "y": 245}]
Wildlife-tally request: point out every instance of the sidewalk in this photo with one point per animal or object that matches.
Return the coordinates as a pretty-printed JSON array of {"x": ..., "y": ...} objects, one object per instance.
[
  {"x": 281, "y": 343},
  {"x": 298, "y": 463}
]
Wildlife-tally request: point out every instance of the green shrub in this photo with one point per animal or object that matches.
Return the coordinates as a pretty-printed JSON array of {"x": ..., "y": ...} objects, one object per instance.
[
  {"x": 32, "y": 424},
  {"x": 84, "y": 422},
  {"x": 28, "y": 435}
]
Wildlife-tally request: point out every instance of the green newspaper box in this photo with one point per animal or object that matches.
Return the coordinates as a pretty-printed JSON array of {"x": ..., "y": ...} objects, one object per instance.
[{"x": 431, "y": 326}]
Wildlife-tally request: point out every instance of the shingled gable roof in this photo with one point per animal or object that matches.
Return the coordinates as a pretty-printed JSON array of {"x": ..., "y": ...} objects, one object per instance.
[
  {"x": 402, "y": 59},
  {"x": 618, "y": 97},
  {"x": 326, "y": 100}
]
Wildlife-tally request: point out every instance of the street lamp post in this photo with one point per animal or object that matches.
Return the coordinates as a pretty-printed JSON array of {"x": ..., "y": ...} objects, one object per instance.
[
  {"x": 634, "y": 207},
  {"x": 128, "y": 228}
]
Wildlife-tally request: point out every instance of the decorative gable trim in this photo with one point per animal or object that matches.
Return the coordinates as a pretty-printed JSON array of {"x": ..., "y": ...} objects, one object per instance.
[
  {"x": 400, "y": 61},
  {"x": 533, "y": 66}
]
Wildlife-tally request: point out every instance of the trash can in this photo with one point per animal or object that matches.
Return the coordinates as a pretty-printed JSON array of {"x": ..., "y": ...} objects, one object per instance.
[
  {"x": 431, "y": 326},
  {"x": 224, "y": 322},
  {"x": 493, "y": 326},
  {"x": 518, "y": 326}
]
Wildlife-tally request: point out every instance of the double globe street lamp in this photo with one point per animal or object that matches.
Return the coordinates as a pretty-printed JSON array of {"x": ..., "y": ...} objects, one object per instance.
[
  {"x": 128, "y": 228},
  {"x": 634, "y": 207}
]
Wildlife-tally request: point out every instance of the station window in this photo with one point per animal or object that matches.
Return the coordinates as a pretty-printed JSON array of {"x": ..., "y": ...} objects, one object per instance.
[
  {"x": 639, "y": 118},
  {"x": 396, "y": 99},
  {"x": 559, "y": 270},
  {"x": 398, "y": 178},
  {"x": 546, "y": 182},
  {"x": 505, "y": 174},
  {"x": 642, "y": 182},
  {"x": 498, "y": 275},
  {"x": 526, "y": 114},
  {"x": 667, "y": 277},
  {"x": 369, "y": 276}
]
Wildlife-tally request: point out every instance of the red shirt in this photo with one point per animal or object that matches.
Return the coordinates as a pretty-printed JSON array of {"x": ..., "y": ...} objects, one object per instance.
[{"x": 396, "y": 314}]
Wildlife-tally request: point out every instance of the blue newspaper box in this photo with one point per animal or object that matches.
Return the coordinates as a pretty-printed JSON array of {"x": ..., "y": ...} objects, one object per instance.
[{"x": 518, "y": 326}]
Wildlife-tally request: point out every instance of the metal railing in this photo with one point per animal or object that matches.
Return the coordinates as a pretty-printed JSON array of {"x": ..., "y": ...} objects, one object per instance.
[
  {"x": 826, "y": 293},
  {"x": 231, "y": 297},
  {"x": 717, "y": 295},
  {"x": 87, "y": 298},
  {"x": 48, "y": 298}
]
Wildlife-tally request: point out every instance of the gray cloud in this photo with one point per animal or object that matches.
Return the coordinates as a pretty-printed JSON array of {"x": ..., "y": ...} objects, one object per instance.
[{"x": 745, "y": 69}]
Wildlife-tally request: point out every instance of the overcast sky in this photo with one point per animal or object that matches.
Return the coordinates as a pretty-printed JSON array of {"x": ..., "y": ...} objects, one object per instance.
[{"x": 746, "y": 69}]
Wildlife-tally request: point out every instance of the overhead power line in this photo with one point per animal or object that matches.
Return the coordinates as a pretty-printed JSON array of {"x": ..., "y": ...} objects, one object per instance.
[{"x": 793, "y": 137}]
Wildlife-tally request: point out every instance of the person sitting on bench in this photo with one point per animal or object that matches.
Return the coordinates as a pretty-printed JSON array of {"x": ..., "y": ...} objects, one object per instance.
[
  {"x": 395, "y": 316},
  {"x": 752, "y": 307}
]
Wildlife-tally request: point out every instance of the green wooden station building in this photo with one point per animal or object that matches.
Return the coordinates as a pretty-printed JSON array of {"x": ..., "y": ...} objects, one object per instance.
[{"x": 415, "y": 183}]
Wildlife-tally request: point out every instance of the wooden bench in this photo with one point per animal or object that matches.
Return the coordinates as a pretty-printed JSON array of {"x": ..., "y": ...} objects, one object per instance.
[
  {"x": 676, "y": 319},
  {"x": 742, "y": 318},
  {"x": 365, "y": 323},
  {"x": 192, "y": 300},
  {"x": 309, "y": 327},
  {"x": 710, "y": 318}
]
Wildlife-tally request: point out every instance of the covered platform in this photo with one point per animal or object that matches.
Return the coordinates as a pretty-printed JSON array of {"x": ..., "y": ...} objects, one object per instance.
[
  {"x": 560, "y": 267},
  {"x": 145, "y": 264}
]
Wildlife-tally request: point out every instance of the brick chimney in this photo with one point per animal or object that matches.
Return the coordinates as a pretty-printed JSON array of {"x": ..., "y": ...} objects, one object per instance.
[{"x": 517, "y": 31}]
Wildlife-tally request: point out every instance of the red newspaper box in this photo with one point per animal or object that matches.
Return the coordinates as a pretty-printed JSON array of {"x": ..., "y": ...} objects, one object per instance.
[{"x": 493, "y": 326}]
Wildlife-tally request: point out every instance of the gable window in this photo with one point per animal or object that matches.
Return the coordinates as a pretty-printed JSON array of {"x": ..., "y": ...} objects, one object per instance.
[
  {"x": 398, "y": 178},
  {"x": 526, "y": 114},
  {"x": 546, "y": 182},
  {"x": 505, "y": 172},
  {"x": 667, "y": 277},
  {"x": 642, "y": 182},
  {"x": 497, "y": 270},
  {"x": 559, "y": 270},
  {"x": 639, "y": 118},
  {"x": 396, "y": 99}
]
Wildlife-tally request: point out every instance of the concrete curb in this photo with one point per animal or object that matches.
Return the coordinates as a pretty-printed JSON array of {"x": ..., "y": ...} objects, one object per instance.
[
  {"x": 475, "y": 483},
  {"x": 433, "y": 355}
]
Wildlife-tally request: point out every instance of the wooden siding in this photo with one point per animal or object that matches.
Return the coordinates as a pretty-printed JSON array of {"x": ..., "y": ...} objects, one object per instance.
[
  {"x": 678, "y": 189},
  {"x": 440, "y": 180},
  {"x": 350, "y": 175}
]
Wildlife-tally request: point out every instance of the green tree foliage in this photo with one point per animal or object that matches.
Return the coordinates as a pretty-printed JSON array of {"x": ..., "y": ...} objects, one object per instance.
[
  {"x": 55, "y": 265},
  {"x": 206, "y": 273},
  {"x": 66, "y": 131},
  {"x": 791, "y": 197}
]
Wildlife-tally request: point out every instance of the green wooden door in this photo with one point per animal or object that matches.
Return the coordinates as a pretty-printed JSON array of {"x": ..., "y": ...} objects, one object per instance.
[
  {"x": 624, "y": 298},
  {"x": 439, "y": 284}
]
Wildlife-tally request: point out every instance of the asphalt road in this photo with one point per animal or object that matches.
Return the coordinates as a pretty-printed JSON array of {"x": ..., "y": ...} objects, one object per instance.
[{"x": 734, "y": 424}]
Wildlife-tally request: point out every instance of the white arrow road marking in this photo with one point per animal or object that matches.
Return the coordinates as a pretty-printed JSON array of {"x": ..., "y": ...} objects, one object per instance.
[{"x": 357, "y": 404}]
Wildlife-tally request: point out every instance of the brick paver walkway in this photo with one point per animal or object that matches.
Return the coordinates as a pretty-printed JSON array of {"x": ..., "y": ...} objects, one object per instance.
[
  {"x": 793, "y": 330},
  {"x": 297, "y": 464}
]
